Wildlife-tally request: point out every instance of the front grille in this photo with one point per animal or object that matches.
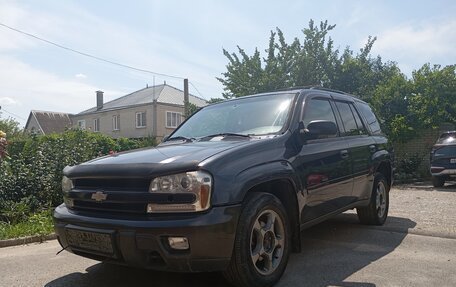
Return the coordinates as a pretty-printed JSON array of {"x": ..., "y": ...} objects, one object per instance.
[
  {"x": 110, "y": 206},
  {"x": 113, "y": 184},
  {"x": 120, "y": 195}
]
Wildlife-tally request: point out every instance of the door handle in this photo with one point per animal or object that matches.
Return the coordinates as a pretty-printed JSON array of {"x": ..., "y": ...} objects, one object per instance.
[
  {"x": 344, "y": 154},
  {"x": 372, "y": 148}
]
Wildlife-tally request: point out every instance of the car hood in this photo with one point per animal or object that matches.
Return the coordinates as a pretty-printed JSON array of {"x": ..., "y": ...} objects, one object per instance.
[{"x": 148, "y": 162}]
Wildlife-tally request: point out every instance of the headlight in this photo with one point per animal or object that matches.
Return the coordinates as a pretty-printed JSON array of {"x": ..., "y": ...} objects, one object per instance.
[
  {"x": 197, "y": 182},
  {"x": 67, "y": 184}
]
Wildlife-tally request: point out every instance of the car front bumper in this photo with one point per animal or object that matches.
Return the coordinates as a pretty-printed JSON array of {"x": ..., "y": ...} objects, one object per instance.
[
  {"x": 446, "y": 172},
  {"x": 144, "y": 242}
]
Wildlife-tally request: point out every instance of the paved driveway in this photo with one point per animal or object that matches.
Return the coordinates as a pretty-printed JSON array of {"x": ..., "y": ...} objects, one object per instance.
[{"x": 416, "y": 247}]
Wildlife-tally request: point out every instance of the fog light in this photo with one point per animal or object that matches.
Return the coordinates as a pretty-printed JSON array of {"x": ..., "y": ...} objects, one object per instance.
[{"x": 178, "y": 243}]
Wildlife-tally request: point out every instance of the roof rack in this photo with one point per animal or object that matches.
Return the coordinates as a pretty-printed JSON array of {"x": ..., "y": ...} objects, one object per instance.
[{"x": 312, "y": 87}]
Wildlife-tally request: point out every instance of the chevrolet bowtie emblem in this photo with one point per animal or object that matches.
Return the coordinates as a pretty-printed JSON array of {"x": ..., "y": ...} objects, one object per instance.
[{"x": 99, "y": 196}]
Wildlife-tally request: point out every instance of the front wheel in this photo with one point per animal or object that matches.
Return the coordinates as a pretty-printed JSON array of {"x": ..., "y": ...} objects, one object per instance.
[
  {"x": 262, "y": 244},
  {"x": 438, "y": 181},
  {"x": 377, "y": 210}
]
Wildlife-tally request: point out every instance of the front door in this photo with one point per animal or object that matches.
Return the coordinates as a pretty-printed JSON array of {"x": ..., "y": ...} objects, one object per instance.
[{"x": 323, "y": 164}]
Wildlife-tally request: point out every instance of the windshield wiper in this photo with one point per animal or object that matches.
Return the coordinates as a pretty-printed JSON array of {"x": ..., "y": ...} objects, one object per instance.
[
  {"x": 225, "y": 135},
  {"x": 186, "y": 139}
]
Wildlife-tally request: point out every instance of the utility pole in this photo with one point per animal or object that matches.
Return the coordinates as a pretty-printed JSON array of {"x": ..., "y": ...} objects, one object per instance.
[{"x": 186, "y": 105}]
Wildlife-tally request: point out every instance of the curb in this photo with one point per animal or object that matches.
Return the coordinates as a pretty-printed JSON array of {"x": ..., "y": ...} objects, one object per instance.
[{"x": 26, "y": 240}]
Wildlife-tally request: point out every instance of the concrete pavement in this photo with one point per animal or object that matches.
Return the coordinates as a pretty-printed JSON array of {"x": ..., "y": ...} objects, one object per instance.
[{"x": 416, "y": 247}]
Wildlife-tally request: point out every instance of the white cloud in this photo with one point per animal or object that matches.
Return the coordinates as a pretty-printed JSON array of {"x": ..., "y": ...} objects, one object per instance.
[
  {"x": 7, "y": 101},
  {"x": 411, "y": 43},
  {"x": 80, "y": 76},
  {"x": 73, "y": 26},
  {"x": 40, "y": 90}
]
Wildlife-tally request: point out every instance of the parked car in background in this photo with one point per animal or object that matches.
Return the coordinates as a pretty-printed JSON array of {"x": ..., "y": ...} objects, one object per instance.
[
  {"x": 232, "y": 187},
  {"x": 443, "y": 159}
]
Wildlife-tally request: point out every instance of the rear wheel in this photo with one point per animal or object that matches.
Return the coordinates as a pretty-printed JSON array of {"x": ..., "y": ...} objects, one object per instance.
[
  {"x": 377, "y": 210},
  {"x": 262, "y": 244},
  {"x": 438, "y": 181}
]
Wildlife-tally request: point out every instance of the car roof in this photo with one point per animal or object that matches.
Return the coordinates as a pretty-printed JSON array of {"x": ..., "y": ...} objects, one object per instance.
[{"x": 302, "y": 89}]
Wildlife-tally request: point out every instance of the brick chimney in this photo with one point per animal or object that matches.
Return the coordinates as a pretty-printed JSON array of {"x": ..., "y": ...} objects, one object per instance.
[{"x": 99, "y": 100}]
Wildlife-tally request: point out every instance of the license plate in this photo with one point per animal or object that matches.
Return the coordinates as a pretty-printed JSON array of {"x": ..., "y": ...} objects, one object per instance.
[
  {"x": 101, "y": 242},
  {"x": 453, "y": 160}
]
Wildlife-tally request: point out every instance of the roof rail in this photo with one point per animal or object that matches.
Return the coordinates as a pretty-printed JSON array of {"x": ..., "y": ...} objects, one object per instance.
[{"x": 312, "y": 87}]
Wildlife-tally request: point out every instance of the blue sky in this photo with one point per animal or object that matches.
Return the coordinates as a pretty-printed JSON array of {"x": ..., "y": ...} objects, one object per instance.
[{"x": 185, "y": 38}]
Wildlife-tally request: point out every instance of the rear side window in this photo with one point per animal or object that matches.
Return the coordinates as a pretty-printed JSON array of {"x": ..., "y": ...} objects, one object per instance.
[
  {"x": 351, "y": 120},
  {"x": 370, "y": 117}
]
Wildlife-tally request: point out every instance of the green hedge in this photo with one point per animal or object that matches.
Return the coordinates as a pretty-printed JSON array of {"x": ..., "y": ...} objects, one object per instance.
[{"x": 33, "y": 172}]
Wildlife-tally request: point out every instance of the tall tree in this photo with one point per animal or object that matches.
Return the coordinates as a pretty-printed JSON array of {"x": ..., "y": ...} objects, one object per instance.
[{"x": 312, "y": 61}]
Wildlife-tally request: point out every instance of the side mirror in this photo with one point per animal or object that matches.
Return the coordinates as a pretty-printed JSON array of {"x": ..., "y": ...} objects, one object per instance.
[{"x": 321, "y": 128}]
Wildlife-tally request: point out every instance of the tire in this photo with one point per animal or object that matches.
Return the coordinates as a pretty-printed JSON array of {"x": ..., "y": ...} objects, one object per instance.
[
  {"x": 377, "y": 210},
  {"x": 261, "y": 249},
  {"x": 438, "y": 181}
]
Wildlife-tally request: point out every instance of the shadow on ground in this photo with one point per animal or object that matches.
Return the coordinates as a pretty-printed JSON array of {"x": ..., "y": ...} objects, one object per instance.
[{"x": 332, "y": 251}]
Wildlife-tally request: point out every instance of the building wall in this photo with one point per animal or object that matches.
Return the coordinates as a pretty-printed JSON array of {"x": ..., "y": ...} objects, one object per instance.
[
  {"x": 420, "y": 147},
  {"x": 33, "y": 126},
  {"x": 128, "y": 121},
  {"x": 162, "y": 130}
]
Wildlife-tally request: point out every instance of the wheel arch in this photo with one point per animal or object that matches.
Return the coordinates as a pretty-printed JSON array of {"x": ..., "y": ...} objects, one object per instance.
[
  {"x": 285, "y": 190},
  {"x": 386, "y": 169}
]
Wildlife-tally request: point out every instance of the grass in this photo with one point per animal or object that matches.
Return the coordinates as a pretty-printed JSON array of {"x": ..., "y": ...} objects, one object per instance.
[{"x": 36, "y": 224}]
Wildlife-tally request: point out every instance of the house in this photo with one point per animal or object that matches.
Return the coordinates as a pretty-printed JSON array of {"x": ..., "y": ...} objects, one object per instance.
[
  {"x": 45, "y": 122},
  {"x": 152, "y": 111}
]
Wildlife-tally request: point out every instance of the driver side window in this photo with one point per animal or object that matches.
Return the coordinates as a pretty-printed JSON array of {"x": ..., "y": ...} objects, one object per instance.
[{"x": 318, "y": 109}]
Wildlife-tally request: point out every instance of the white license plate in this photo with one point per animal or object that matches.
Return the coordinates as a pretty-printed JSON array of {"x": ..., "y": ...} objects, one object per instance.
[
  {"x": 100, "y": 242},
  {"x": 453, "y": 160}
]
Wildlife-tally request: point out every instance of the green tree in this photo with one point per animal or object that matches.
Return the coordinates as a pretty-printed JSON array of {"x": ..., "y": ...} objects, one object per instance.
[
  {"x": 10, "y": 127},
  {"x": 310, "y": 61},
  {"x": 190, "y": 109},
  {"x": 434, "y": 95}
]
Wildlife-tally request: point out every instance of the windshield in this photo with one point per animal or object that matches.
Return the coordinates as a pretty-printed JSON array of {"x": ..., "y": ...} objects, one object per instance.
[
  {"x": 447, "y": 138},
  {"x": 247, "y": 116}
]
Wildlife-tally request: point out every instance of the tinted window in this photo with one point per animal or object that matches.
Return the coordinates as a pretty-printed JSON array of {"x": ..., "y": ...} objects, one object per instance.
[
  {"x": 358, "y": 120},
  {"x": 370, "y": 117},
  {"x": 318, "y": 109},
  {"x": 348, "y": 119},
  {"x": 446, "y": 151}
]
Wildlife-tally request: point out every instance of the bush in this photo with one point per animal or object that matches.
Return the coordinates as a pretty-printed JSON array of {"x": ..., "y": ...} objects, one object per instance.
[
  {"x": 39, "y": 223},
  {"x": 407, "y": 167},
  {"x": 33, "y": 173}
]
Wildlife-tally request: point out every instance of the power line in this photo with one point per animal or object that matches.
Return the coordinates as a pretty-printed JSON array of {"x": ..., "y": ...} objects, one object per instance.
[
  {"x": 14, "y": 115},
  {"x": 196, "y": 89},
  {"x": 89, "y": 55}
]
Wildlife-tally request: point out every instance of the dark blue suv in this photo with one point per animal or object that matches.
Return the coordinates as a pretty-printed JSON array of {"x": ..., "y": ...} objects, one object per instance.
[
  {"x": 232, "y": 188},
  {"x": 443, "y": 159}
]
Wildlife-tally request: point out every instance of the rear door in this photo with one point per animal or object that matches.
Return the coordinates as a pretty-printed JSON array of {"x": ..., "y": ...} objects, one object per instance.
[
  {"x": 323, "y": 164},
  {"x": 361, "y": 147}
]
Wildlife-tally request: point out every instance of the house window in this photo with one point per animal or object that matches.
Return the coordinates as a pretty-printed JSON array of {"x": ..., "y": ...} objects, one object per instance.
[
  {"x": 96, "y": 125},
  {"x": 141, "y": 119},
  {"x": 82, "y": 124},
  {"x": 116, "y": 123},
  {"x": 173, "y": 119}
]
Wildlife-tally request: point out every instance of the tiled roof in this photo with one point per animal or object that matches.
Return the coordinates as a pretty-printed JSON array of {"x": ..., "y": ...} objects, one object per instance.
[
  {"x": 52, "y": 122},
  {"x": 163, "y": 93}
]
